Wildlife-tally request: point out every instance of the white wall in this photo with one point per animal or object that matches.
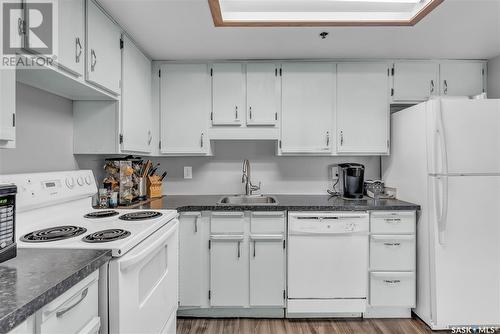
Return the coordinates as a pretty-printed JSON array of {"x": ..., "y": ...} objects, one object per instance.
[
  {"x": 45, "y": 143},
  {"x": 494, "y": 78},
  {"x": 222, "y": 173},
  {"x": 44, "y": 137}
]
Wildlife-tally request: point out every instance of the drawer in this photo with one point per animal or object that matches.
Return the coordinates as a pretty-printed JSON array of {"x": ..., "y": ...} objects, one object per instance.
[
  {"x": 392, "y": 289},
  {"x": 227, "y": 222},
  {"x": 267, "y": 222},
  {"x": 73, "y": 312},
  {"x": 392, "y": 252},
  {"x": 392, "y": 222}
]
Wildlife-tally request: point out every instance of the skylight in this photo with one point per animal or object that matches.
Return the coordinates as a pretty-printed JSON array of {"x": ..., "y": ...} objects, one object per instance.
[{"x": 270, "y": 13}]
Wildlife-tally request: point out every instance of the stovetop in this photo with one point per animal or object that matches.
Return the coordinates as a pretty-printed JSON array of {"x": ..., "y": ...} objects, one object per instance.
[{"x": 88, "y": 228}]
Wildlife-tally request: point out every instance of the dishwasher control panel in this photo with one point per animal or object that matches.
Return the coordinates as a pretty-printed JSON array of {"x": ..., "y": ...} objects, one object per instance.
[{"x": 328, "y": 222}]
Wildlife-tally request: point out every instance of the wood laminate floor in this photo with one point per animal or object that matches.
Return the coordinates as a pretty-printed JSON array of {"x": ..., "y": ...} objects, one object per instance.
[{"x": 310, "y": 326}]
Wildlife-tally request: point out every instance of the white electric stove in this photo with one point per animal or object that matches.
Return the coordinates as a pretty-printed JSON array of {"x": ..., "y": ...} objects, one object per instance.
[{"x": 138, "y": 287}]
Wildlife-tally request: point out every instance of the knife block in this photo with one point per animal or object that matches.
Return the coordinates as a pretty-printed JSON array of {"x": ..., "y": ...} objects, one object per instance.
[{"x": 154, "y": 186}]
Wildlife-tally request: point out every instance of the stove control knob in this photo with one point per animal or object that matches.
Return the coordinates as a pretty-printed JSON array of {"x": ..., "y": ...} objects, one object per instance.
[
  {"x": 79, "y": 180},
  {"x": 88, "y": 180},
  {"x": 70, "y": 182}
]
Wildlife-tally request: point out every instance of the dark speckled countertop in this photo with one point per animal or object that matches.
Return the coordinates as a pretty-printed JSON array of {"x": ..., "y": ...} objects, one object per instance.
[
  {"x": 37, "y": 276},
  {"x": 285, "y": 203}
]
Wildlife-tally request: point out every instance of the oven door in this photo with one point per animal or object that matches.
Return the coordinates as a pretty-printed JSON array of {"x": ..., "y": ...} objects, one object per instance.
[{"x": 143, "y": 284}]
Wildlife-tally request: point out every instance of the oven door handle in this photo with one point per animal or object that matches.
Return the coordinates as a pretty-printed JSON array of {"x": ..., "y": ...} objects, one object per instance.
[{"x": 132, "y": 261}]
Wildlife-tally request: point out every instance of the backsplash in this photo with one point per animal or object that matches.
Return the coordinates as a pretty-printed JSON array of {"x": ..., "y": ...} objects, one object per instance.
[{"x": 221, "y": 174}]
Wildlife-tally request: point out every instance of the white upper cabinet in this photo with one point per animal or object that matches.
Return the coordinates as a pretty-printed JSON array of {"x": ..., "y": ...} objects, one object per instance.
[
  {"x": 363, "y": 108},
  {"x": 308, "y": 103},
  {"x": 462, "y": 78},
  {"x": 263, "y": 94},
  {"x": 7, "y": 108},
  {"x": 185, "y": 108},
  {"x": 414, "y": 81},
  {"x": 228, "y": 94},
  {"x": 103, "y": 50},
  {"x": 71, "y": 55},
  {"x": 136, "y": 99}
]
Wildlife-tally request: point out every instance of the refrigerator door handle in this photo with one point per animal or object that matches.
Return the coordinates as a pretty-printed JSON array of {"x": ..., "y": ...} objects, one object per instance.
[
  {"x": 440, "y": 139},
  {"x": 441, "y": 206}
]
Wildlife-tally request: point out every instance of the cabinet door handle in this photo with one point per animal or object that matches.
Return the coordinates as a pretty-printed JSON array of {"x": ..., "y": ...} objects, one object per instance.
[
  {"x": 239, "y": 249},
  {"x": 341, "y": 138},
  {"x": 445, "y": 87},
  {"x": 196, "y": 225},
  {"x": 250, "y": 112},
  {"x": 392, "y": 220},
  {"x": 254, "y": 244},
  {"x": 69, "y": 308},
  {"x": 236, "y": 112},
  {"x": 78, "y": 49},
  {"x": 93, "y": 60},
  {"x": 432, "y": 86},
  {"x": 328, "y": 138},
  {"x": 201, "y": 139},
  {"x": 21, "y": 27},
  {"x": 150, "y": 137}
]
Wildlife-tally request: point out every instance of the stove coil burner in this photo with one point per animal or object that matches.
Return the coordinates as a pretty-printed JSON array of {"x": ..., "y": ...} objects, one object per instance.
[
  {"x": 101, "y": 214},
  {"x": 53, "y": 234},
  {"x": 140, "y": 215},
  {"x": 106, "y": 235}
]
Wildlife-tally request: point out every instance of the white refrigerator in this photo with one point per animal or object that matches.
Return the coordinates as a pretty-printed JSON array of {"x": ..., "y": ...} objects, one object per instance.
[{"x": 445, "y": 156}]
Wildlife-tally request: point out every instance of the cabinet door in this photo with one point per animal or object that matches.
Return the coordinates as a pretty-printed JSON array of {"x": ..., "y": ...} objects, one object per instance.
[
  {"x": 191, "y": 249},
  {"x": 185, "y": 108},
  {"x": 267, "y": 271},
  {"x": 462, "y": 79},
  {"x": 415, "y": 81},
  {"x": 136, "y": 99},
  {"x": 71, "y": 55},
  {"x": 363, "y": 108},
  {"x": 263, "y": 94},
  {"x": 228, "y": 271},
  {"x": 308, "y": 95},
  {"x": 103, "y": 50},
  {"x": 228, "y": 94},
  {"x": 7, "y": 107}
]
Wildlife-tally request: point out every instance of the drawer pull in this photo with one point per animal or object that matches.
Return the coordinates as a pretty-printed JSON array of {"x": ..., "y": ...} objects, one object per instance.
[
  {"x": 392, "y": 281},
  {"x": 392, "y": 220},
  {"x": 392, "y": 244},
  {"x": 69, "y": 308}
]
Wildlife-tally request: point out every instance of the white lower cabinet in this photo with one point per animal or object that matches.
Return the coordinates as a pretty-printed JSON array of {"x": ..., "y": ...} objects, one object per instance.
[
  {"x": 392, "y": 264},
  {"x": 392, "y": 289},
  {"x": 73, "y": 312},
  {"x": 192, "y": 253},
  {"x": 228, "y": 271},
  {"x": 267, "y": 270},
  {"x": 232, "y": 264}
]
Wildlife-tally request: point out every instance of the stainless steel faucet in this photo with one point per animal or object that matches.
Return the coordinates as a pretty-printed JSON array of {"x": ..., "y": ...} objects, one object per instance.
[{"x": 249, "y": 187}]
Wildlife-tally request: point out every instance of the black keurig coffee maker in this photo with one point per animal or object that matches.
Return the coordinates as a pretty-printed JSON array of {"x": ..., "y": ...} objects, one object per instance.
[{"x": 351, "y": 179}]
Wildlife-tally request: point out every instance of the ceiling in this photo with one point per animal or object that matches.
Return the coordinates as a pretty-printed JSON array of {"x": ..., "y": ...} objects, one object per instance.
[{"x": 183, "y": 30}]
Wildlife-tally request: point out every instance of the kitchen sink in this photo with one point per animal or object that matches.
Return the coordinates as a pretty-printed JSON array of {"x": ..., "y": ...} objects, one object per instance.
[{"x": 248, "y": 200}]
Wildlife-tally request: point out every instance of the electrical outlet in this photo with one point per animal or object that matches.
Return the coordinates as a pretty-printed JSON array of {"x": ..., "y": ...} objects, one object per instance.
[{"x": 188, "y": 172}]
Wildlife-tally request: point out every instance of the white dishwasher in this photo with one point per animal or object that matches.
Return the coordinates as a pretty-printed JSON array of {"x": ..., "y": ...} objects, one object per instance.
[{"x": 327, "y": 264}]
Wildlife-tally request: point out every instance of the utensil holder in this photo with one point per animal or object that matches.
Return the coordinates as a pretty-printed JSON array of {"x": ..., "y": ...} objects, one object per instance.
[{"x": 154, "y": 186}]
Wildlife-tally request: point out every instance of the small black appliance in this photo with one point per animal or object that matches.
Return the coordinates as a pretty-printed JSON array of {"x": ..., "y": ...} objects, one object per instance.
[
  {"x": 8, "y": 248},
  {"x": 351, "y": 179}
]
